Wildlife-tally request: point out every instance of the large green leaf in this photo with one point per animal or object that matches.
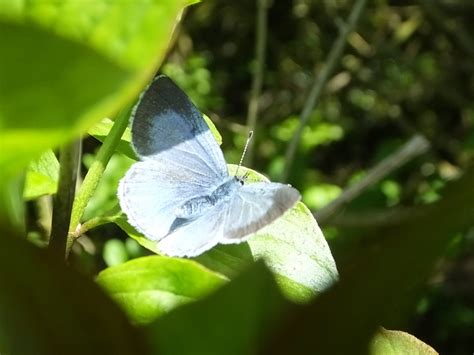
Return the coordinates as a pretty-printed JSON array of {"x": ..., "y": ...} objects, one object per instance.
[
  {"x": 47, "y": 308},
  {"x": 394, "y": 342},
  {"x": 65, "y": 65},
  {"x": 150, "y": 286},
  {"x": 293, "y": 247},
  {"x": 378, "y": 285},
  {"x": 42, "y": 176},
  {"x": 234, "y": 320}
]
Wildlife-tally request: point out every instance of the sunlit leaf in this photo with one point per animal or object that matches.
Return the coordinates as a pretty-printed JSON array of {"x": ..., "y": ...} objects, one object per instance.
[
  {"x": 151, "y": 286},
  {"x": 42, "y": 176},
  {"x": 394, "y": 342},
  {"x": 85, "y": 67}
]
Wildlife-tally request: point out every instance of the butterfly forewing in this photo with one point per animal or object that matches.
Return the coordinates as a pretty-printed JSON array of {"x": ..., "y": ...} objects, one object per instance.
[
  {"x": 167, "y": 126},
  {"x": 180, "y": 159}
]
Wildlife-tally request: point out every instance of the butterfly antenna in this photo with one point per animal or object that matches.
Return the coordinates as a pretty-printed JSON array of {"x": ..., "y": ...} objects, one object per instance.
[{"x": 245, "y": 151}]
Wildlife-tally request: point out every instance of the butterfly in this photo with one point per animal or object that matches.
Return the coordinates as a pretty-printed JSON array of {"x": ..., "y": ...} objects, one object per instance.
[{"x": 180, "y": 193}]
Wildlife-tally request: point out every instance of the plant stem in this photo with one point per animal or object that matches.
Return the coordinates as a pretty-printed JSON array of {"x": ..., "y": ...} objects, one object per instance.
[
  {"x": 260, "y": 44},
  {"x": 315, "y": 93},
  {"x": 411, "y": 149},
  {"x": 69, "y": 157},
  {"x": 95, "y": 222},
  {"x": 95, "y": 172}
]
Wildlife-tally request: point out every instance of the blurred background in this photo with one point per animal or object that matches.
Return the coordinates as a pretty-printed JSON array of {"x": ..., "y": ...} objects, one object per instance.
[{"x": 406, "y": 70}]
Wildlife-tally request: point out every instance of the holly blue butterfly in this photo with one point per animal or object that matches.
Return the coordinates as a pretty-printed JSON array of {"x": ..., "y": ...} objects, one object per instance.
[{"x": 180, "y": 193}]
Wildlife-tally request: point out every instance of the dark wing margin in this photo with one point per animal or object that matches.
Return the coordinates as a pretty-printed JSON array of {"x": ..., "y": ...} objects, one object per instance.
[{"x": 165, "y": 122}]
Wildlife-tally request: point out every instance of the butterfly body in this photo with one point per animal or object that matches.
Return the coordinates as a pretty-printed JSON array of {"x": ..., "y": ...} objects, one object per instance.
[
  {"x": 199, "y": 205},
  {"x": 180, "y": 194}
]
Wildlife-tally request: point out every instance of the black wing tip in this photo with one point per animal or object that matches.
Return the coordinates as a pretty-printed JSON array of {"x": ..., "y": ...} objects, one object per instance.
[{"x": 162, "y": 81}]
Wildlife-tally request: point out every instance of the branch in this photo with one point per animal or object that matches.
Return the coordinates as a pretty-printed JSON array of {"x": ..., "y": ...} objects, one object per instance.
[
  {"x": 260, "y": 44},
  {"x": 416, "y": 146},
  {"x": 95, "y": 173},
  {"x": 373, "y": 219},
  {"x": 69, "y": 157},
  {"x": 315, "y": 93}
]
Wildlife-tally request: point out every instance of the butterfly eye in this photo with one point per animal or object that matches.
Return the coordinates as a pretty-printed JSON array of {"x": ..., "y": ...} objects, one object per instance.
[{"x": 240, "y": 180}]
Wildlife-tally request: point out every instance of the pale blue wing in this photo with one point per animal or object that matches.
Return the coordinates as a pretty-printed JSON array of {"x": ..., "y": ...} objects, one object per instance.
[
  {"x": 150, "y": 193},
  {"x": 254, "y": 206},
  {"x": 196, "y": 237},
  {"x": 167, "y": 127}
]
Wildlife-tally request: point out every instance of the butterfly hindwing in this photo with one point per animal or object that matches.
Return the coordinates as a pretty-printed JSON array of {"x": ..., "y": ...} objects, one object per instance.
[
  {"x": 150, "y": 193},
  {"x": 254, "y": 206}
]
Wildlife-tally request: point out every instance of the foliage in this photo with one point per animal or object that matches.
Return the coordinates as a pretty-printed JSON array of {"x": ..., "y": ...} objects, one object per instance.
[{"x": 405, "y": 70}]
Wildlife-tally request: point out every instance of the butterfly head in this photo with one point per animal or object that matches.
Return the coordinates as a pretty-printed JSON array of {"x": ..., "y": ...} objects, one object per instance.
[{"x": 242, "y": 179}]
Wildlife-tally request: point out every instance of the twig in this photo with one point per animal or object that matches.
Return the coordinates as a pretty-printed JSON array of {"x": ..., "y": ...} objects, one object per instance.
[
  {"x": 69, "y": 157},
  {"x": 315, "y": 93},
  {"x": 95, "y": 173},
  {"x": 96, "y": 222},
  {"x": 260, "y": 44},
  {"x": 416, "y": 146},
  {"x": 372, "y": 219}
]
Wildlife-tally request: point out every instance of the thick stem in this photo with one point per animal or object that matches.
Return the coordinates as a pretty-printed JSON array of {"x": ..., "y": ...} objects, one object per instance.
[
  {"x": 69, "y": 157},
  {"x": 260, "y": 44},
  {"x": 315, "y": 93},
  {"x": 95, "y": 172}
]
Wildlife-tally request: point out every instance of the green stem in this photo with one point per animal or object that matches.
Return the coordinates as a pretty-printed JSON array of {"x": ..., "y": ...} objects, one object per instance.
[
  {"x": 96, "y": 222},
  {"x": 315, "y": 93},
  {"x": 260, "y": 44},
  {"x": 95, "y": 173},
  {"x": 69, "y": 157}
]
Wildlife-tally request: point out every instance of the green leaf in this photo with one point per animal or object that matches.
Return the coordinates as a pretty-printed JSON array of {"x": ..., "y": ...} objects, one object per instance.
[
  {"x": 47, "y": 308},
  {"x": 379, "y": 284},
  {"x": 234, "y": 320},
  {"x": 101, "y": 129},
  {"x": 213, "y": 129},
  {"x": 114, "y": 252},
  {"x": 85, "y": 67},
  {"x": 150, "y": 286},
  {"x": 293, "y": 247},
  {"x": 394, "y": 342},
  {"x": 42, "y": 176}
]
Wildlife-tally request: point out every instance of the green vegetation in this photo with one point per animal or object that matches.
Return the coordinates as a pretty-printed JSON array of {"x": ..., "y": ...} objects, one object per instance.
[{"x": 365, "y": 107}]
